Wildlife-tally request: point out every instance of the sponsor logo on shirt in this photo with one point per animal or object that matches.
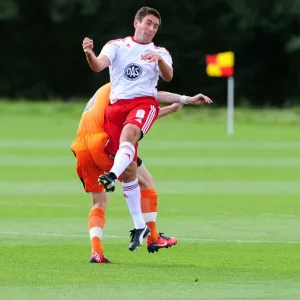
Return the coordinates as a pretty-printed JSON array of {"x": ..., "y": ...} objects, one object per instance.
[{"x": 133, "y": 72}]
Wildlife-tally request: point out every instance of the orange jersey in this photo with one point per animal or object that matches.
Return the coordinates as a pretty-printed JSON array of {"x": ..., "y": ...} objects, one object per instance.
[
  {"x": 92, "y": 119},
  {"x": 88, "y": 146}
]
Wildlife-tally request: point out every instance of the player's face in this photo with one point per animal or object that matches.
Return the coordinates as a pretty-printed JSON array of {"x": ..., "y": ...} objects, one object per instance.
[{"x": 146, "y": 29}]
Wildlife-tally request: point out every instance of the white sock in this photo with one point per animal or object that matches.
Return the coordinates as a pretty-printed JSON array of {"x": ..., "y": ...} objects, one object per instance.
[
  {"x": 132, "y": 194},
  {"x": 123, "y": 158}
]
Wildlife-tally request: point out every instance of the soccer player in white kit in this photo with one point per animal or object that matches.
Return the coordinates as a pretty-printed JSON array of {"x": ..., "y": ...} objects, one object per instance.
[{"x": 135, "y": 65}]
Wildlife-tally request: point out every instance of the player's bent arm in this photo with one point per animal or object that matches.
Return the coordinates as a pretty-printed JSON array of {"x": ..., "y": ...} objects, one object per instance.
[
  {"x": 99, "y": 63},
  {"x": 166, "y": 72},
  {"x": 144, "y": 177},
  {"x": 164, "y": 111}
]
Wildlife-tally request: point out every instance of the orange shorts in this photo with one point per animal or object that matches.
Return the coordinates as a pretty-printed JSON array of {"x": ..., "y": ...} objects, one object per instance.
[{"x": 91, "y": 159}]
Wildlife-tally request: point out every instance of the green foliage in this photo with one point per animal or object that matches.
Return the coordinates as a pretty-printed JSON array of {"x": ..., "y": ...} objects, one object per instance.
[{"x": 8, "y": 10}]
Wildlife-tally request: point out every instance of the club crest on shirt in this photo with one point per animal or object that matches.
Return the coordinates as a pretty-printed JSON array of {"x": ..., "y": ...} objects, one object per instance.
[{"x": 133, "y": 72}]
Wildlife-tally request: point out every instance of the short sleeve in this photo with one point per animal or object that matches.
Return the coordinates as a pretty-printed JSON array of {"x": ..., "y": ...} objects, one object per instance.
[
  {"x": 166, "y": 56},
  {"x": 110, "y": 50}
]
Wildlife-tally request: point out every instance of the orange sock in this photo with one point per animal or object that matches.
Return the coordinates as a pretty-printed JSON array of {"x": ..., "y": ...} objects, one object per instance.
[
  {"x": 149, "y": 200},
  {"x": 96, "y": 223}
]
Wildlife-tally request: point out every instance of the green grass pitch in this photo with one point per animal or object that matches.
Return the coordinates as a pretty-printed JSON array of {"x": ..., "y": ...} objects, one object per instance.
[{"x": 233, "y": 202}]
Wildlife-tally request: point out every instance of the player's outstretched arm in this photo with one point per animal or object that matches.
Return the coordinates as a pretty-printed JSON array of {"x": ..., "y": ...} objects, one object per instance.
[
  {"x": 97, "y": 64},
  {"x": 167, "y": 97},
  {"x": 198, "y": 99}
]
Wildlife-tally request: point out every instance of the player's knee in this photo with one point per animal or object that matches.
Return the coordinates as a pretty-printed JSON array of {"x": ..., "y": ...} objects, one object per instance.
[{"x": 130, "y": 133}]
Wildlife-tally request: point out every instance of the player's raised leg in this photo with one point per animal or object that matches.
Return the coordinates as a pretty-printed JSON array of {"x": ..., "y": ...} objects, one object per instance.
[{"x": 138, "y": 116}]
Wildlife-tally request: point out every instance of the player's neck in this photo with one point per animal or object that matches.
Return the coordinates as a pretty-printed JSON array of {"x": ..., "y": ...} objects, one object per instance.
[{"x": 137, "y": 40}]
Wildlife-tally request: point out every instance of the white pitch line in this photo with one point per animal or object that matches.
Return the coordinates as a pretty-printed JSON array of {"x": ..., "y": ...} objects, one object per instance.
[
  {"x": 194, "y": 240},
  {"x": 280, "y": 215}
]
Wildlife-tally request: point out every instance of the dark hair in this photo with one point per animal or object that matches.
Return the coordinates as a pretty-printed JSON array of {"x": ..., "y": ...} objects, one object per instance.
[{"x": 144, "y": 11}]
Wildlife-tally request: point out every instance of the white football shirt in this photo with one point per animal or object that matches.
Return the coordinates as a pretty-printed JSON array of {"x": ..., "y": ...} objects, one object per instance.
[{"x": 130, "y": 76}]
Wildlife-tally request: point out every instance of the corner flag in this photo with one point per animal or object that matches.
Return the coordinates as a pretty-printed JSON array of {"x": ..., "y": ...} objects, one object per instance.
[{"x": 222, "y": 65}]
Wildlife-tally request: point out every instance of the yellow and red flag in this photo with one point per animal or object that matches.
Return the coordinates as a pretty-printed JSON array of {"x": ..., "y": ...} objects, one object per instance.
[{"x": 220, "y": 65}]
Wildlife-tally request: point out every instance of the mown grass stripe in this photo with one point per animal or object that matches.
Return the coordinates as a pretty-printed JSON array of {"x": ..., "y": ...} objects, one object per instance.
[
  {"x": 157, "y": 144},
  {"x": 66, "y": 161},
  {"x": 201, "y": 187}
]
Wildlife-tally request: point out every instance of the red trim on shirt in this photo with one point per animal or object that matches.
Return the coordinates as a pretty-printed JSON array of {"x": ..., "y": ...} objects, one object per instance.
[
  {"x": 157, "y": 47},
  {"x": 115, "y": 40},
  {"x": 134, "y": 40}
]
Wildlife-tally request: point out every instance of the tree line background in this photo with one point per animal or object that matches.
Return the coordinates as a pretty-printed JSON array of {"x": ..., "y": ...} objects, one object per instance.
[{"x": 42, "y": 58}]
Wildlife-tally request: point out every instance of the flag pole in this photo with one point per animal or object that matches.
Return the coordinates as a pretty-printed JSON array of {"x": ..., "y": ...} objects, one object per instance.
[{"x": 230, "y": 105}]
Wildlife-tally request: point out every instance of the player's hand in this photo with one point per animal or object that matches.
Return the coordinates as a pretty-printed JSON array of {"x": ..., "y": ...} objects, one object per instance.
[
  {"x": 87, "y": 45},
  {"x": 199, "y": 100},
  {"x": 176, "y": 106},
  {"x": 151, "y": 57}
]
